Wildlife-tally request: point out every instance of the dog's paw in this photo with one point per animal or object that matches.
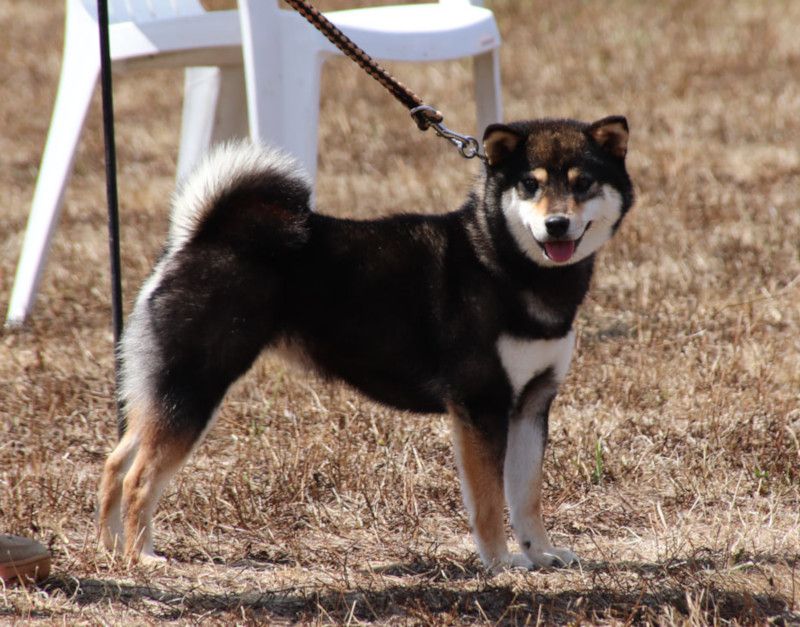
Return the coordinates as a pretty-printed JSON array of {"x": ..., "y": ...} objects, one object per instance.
[
  {"x": 510, "y": 561},
  {"x": 112, "y": 541},
  {"x": 151, "y": 559},
  {"x": 553, "y": 557},
  {"x": 518, "y": 560}
]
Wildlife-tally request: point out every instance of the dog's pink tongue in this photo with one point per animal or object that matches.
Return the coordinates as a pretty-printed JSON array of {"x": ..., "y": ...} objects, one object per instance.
[{"x": 560, "y": 251}]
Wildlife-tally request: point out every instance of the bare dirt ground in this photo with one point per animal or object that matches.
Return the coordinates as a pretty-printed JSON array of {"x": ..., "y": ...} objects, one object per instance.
[{"x": 674, "y": 468}]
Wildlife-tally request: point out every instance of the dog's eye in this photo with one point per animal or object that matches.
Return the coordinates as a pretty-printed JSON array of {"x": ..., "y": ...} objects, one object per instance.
[
  {"x": 582, "y": 184},
  {"x": 530, "y": 185}
]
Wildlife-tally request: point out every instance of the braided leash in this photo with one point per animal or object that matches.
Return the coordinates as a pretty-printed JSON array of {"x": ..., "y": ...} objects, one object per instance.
[{"x": 424, "y": 115}]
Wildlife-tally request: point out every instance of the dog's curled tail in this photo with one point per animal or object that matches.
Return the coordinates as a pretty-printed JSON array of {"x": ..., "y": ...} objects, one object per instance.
[{"x": 249, "y": 195}]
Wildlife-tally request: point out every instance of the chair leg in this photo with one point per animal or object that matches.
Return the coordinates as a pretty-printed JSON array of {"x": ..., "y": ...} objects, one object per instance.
[
  {"x": 283, "y": 63},
  {"x": 284, "y": 106},
  {"x": 488, "y": 92},
  {"x": 214, "y": 110},
  {"x": 79, "y": 72},
  {"x": 300, "y": 92}
]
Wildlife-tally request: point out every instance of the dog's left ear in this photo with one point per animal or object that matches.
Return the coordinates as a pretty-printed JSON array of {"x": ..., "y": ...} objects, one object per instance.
[
  {"x": 611, "y": 134},
  {"x": 499, "y": 141}
]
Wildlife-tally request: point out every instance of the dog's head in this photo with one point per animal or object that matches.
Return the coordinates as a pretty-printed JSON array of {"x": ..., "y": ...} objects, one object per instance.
[{"x": 560, "y": 185}]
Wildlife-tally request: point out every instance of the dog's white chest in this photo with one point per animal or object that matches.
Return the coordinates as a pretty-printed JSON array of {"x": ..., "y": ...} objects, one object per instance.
[{"x": 523, "y": 359}]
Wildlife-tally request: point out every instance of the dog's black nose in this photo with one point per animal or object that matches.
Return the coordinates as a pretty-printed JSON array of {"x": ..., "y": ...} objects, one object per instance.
[{"x": 556, "y": 225}]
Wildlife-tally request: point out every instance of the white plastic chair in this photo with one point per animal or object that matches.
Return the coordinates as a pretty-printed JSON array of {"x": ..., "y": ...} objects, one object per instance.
[{"x": 278, "y": 92}]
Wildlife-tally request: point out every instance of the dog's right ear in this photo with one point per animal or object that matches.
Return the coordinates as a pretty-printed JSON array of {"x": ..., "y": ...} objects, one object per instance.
[{"x": 499, "y": 141}]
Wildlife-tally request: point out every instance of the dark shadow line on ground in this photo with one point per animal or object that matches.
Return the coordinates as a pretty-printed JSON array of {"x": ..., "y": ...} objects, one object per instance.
[{"x": 489, "y": 601}]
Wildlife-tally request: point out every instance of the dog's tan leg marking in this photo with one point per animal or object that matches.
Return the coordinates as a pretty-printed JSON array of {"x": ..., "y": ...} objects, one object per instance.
[
  {"x": 160, "y": 455},
  {"x": 482, "y": 490},
  {"x": 109, "y": 494}
]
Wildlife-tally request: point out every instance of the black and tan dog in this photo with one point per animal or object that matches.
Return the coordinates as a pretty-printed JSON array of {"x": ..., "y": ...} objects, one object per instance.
[{"x": 469, "y": 312}]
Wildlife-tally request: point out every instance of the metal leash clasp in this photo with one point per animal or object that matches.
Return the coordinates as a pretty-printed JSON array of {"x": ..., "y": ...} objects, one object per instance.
[{"x": 426, "y": 117}]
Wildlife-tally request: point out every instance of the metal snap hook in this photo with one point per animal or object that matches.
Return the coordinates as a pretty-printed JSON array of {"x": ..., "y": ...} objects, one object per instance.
[{"x": 468, "y": 147}]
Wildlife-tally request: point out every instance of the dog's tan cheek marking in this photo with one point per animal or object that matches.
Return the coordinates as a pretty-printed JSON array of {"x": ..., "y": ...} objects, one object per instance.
[{"x": 482, "y": 489}]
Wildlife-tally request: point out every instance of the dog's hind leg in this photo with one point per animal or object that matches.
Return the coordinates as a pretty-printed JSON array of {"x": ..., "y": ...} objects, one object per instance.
[
  {"x": 186, "y": 342},
  {"x": 212, "y": 303},
  {"x": 527, "y": 439},
  {"x": 480, "y": 467},
  {"x": 109, "y": 497},
  {"x": 161, "y": 452}
]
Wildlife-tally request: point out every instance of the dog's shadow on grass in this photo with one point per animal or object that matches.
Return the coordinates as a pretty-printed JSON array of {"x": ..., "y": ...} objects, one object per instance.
[
  {"x": 433, "y": 570},
  {"x": 701, "y": 560},
  {"x": 436, "y": 589}
]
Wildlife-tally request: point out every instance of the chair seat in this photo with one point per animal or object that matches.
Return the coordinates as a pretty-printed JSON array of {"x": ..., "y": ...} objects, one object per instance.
[
  {"x": 419, "y": 31},
  {"x": 213, "y": 38},
  {"x": 397, "y": 33}
]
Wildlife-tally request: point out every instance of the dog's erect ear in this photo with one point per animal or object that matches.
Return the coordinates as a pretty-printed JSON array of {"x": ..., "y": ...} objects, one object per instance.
[
  {"x": 499, "y": 141},
  {"x": 611, "y": 134}
]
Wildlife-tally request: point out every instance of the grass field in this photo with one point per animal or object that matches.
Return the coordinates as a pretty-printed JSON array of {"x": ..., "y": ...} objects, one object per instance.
[{"x": 674, "y": 465}]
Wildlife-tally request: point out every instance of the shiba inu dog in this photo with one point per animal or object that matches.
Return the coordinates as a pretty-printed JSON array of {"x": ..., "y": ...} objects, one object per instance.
[{"x": 469, "y": 312}]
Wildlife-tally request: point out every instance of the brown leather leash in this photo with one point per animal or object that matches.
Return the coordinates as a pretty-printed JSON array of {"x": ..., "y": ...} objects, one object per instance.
[{"x": 424, "y": 115}]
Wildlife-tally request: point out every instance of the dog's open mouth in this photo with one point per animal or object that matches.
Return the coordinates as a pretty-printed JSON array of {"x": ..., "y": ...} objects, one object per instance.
[{"x": 562, "y": 251}]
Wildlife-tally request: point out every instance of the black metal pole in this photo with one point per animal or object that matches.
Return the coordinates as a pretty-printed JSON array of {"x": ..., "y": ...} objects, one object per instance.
[{"x": 111, "y": 193}]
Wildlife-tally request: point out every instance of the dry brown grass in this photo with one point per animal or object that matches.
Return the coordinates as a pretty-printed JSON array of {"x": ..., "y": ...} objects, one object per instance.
[{"x": 674, "y": 468}]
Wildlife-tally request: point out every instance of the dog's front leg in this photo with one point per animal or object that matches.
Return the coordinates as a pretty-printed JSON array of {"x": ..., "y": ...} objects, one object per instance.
[
  {"x": 527, "y": 439},
  {"x": 480, "y": 467}
]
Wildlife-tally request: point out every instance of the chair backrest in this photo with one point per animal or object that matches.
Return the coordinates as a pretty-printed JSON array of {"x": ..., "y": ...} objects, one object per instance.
[{"x": 140, "y": 11}]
